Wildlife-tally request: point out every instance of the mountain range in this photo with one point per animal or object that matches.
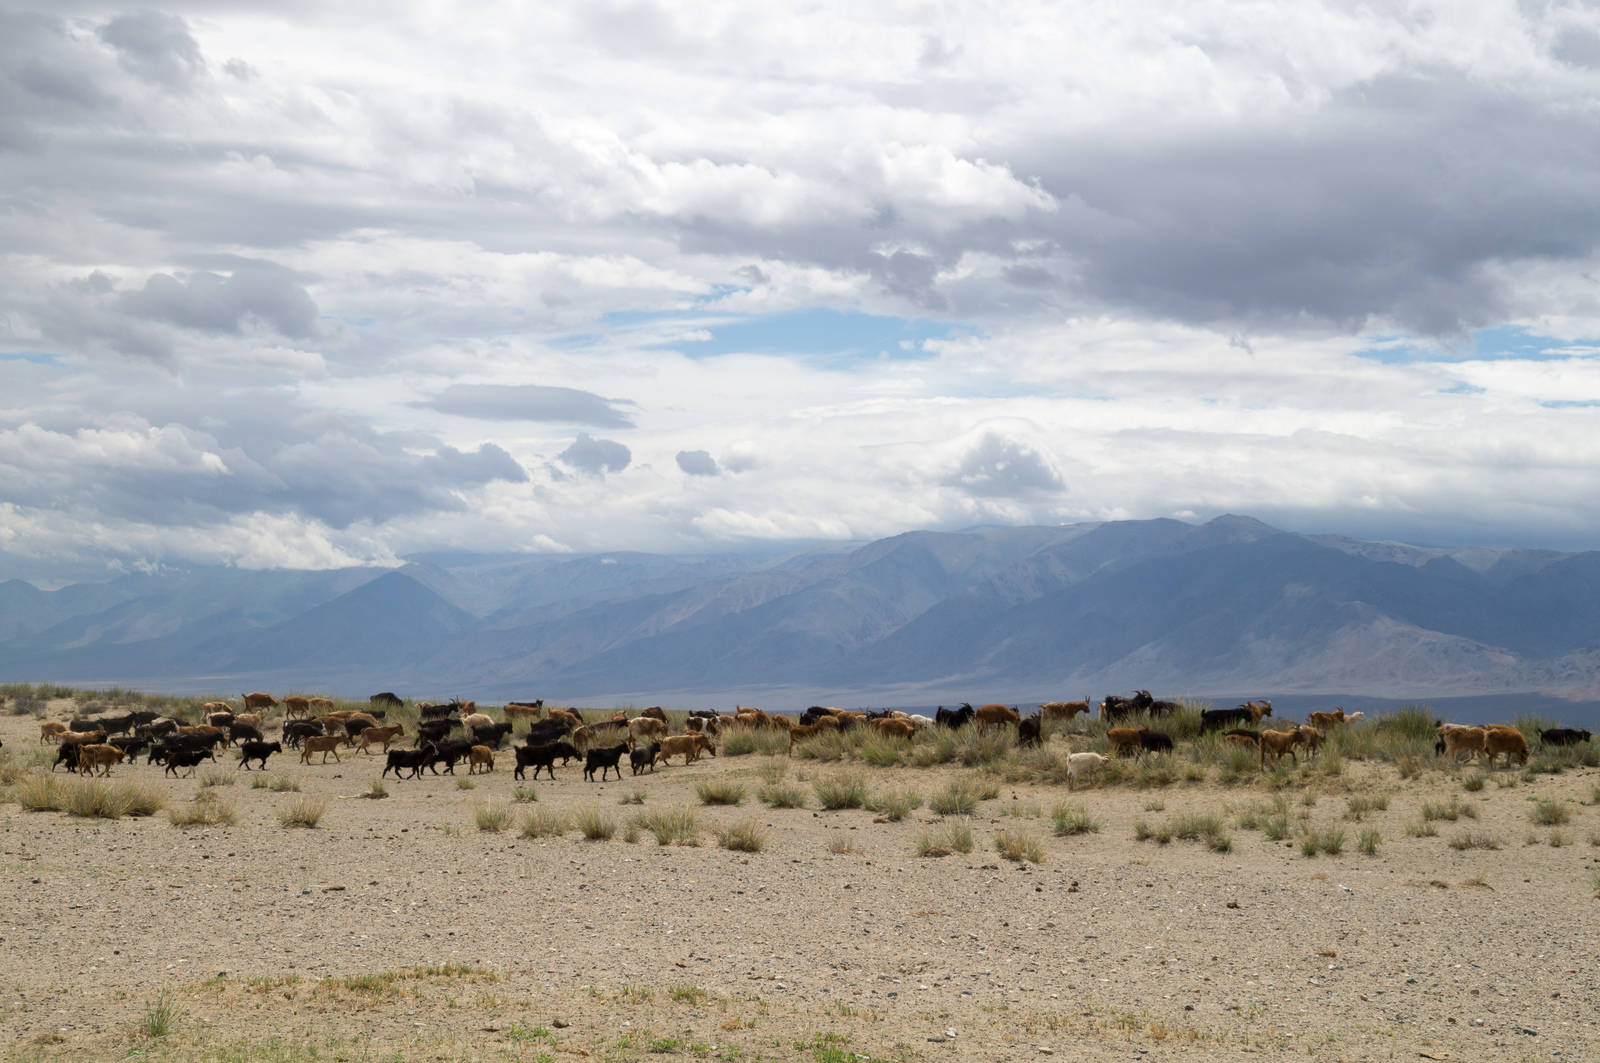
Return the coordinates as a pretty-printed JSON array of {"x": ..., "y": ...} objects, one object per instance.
[{"x": 1232, "y": 605}]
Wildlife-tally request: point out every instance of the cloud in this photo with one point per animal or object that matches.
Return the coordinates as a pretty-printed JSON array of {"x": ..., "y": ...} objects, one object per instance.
[
  {"x": 155, "y": 47},
  {"x": 998, "y": 467},
  {"x": 697, "y": 463},
  {"x": 214, "y": 303},
  {"x": 529, "y": 402},
  {"x": 596, "y": 456}
]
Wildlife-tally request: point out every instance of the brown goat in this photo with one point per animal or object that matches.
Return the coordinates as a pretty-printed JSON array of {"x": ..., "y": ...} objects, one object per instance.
[
  {"x": 995, "y": 716},
  {"x": 1277, "y": 743}
]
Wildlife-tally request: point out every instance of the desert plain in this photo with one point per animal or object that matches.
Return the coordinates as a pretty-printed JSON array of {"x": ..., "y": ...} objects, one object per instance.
[{"x": 399, "y": 929}]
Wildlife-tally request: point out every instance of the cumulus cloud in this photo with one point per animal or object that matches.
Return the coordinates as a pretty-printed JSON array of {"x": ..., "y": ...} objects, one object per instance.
[
  {"x": 596, "y": 456},
  {"x": 215, "y": 303},
  {"x": 529, "y": 402},
  {"x": 998, "y": 467},
  {"x": 155, "y": 47},
  {"x": 697, "y": 463}
]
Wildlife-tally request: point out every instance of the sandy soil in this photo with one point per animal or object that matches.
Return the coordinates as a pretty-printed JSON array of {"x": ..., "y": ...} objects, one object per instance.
[{"x": 1111, "y": 949}]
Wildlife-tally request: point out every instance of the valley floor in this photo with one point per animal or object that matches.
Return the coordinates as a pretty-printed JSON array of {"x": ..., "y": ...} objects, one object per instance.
[{"x": 396, "y": 930}]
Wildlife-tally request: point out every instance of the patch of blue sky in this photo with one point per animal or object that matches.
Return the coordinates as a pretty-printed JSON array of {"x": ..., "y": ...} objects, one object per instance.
[
  {"x": 1501, "y": 343},
  {"x": 36, "y": 357},
  {"x": 815, "y": 333}
]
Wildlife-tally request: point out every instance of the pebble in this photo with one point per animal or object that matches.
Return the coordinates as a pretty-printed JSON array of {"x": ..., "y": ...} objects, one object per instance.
[
  {"x": 937, "y": 1039},
  {"x": 560, "y": 1023}
]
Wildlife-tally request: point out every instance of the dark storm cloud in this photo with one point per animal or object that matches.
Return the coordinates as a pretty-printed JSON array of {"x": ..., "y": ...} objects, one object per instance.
[
  {"x": 596, "y": 456},
  {"x": 528, "y": 402}
]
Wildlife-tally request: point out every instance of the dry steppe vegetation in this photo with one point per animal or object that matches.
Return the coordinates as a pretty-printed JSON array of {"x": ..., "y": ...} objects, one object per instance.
[{"x": 868, "y": 898}]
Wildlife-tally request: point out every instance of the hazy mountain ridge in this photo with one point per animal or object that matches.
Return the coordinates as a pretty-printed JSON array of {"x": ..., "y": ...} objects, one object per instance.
[{"x": 1009, "y": 612}]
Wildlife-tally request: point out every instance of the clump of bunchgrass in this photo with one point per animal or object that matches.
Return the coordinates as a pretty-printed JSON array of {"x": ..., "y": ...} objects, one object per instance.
[
  {"x": 779, "y": 796},
  {"x": 524, "y": 795},
  {"x": 543, "y": 824},
  {"x": 594, "y": 824},
  {"x": 1369, "y": 841},
  {"x": 1474, "y": 840},
  {"x": 1019, "y": 845},
  {"x": 844, "y": 790},
  {"x": 206, "y": 810},
  {"x": 37, "y": 792},
  {"x": 635, "y": 798},
  {"x": 720, "y": 792},
  {"x": 745, "y": 836},
  {"x": 671, "y": 826},
  {"x": 278, "y": 784},
  {"x": 161, "y": 1015},
  {"x": 1074, "y": 819},
  {"x": 896, "y": 805},
  {"x": 492, "y": 818},
  {"x": 304, "y": 812},
  {"x": 953, "y": 836},
  {"x": 1548, "y": 812},
  {"x": 218, "y": 777}
]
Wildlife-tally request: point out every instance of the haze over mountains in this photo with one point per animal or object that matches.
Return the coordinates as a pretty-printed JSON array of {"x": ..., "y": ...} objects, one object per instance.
[{"x": 992, "y": 613}]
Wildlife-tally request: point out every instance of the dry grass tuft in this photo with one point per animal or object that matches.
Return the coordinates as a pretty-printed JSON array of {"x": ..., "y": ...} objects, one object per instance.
[
  {"x": 206, "y": 810},
  {"x": 303, "y": 812}
]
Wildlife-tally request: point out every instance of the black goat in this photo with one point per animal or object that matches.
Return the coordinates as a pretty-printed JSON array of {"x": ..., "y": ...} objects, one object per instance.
[
  {"x": 244, "y": 732},
  {"x": 257, "y": 751},
  {"x": 386, "y": 699},
  {"x": 1154, "y": 741},
  {"x": 1028, "y": 730},
  {"x": 187, "y": 758},
  {"x": 543, "y": 756},
  {"x": 295, "y": 732},
  {"x": 606, "y": 758},
  {"x": 492, "y": 735},
  {"x": 415, "y": 759},
  {"x": 644, "y": 756},
  {"x": 1217, "y": 719},
  {"x": 1562, "y": 736},
  {"x": 954, "y": 718}
]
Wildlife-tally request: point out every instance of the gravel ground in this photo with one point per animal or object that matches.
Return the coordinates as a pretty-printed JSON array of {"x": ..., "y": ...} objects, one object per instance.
[{"x": 275, "y": 942}]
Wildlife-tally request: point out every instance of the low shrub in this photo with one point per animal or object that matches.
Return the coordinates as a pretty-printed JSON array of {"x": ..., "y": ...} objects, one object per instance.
[
  {"x": 278, "y": 784},
  {"x": 783, "y": 796},
  {"x": 1474, "y": 840},
  {"x": 206, "y": 810},
  {"x": 1548, "y": 812},
  {"x": 542, "y": 824},
  {"x": 671, "y": 826},
  {"x": 37, "y": 792},
  {"x": 1370, "y": 840},
  {"x": 895, "y": 806},
  {"x": 492, "y": 818},
  {"x": 1074, "y": 819},
  {"x": 594, "y": 824},
  {"x": 956, "y": 799},
  {"x": 954, "y": 836},
  {"x": 1019, "y": 845}
]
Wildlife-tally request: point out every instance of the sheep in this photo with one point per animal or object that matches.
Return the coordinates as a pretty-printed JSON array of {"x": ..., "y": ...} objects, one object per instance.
[
  {"x": 1085, "y": 764},
  {"x": 323, "y": 744},
  {"x": 646, "y": 728},
  {"x": 371, "y": 736},
  {"x": 483, "y": 757},
  {"x": 51, "y": 731},
  {"x": 1064, "y": 710},
  {"x": 643, "y": 756},
  {"x": 257, "y": 751},
  {"x": 1277, "y": 743},
  {"x": 606, "y": 758}
]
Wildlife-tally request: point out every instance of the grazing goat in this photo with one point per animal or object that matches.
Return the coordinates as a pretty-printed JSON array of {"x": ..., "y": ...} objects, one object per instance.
[
  {"x": 1064, "y": 710},
  {"x": 996, "y": 716},
  {"x": 1084, "y": 764},
  {"x": 380, "y": 736},
  {"x": 1562, "y": 736},
  {"x": 257, "y": 751},
  {"x": 1028, "y": 731},
  {"x": 1243, "y": 739},
  {"x": 644, "y": 756},
  {"x": 1455, "y": 740},
  {"x": 1505, "y": 740},
  {"x": 483, "y": 757},
  {"x": 323, "y": 744},
  {"x": 1125, "y": 740},
  {"x": 1277, "y": 743},
  {"x": 800, "y": 733},
  {"x": 1154, "y": 741},
  {"x": 51, "y": 731},
  {"x": 902, "y": 728},
  {"x": 606, "y": 758}
]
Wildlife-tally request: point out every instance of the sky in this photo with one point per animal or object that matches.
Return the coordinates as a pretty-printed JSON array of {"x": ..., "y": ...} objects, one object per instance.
[{"x": 308, "y": 285}]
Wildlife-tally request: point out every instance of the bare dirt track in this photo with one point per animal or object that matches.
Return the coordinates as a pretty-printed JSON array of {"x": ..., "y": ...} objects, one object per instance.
[{"x": 397, "y": 930}]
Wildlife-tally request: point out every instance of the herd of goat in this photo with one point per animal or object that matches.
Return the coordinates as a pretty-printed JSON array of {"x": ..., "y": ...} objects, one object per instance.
[{"x": 316, "y": 726}]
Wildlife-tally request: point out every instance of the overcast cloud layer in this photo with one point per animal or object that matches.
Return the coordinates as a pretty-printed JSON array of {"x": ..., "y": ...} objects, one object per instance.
[{"x": 311, "y": 285}]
